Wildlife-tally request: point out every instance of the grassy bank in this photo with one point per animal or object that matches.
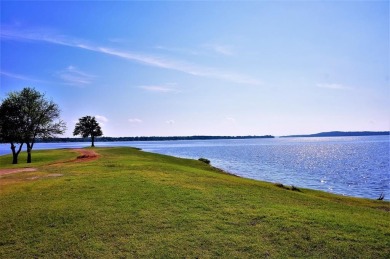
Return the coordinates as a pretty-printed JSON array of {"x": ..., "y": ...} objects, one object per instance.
[{"x": 131, "y": 204}]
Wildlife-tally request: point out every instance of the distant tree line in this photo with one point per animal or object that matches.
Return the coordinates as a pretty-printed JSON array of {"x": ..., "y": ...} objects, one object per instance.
[{"x": 152, "y": 138}]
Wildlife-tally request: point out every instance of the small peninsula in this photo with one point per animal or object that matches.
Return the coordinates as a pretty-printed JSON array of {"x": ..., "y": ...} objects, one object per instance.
[{"x": 341, "y": 134}]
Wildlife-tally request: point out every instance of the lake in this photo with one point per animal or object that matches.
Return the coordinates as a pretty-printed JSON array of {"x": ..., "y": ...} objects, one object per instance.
[{"x": 352, "y": 166}]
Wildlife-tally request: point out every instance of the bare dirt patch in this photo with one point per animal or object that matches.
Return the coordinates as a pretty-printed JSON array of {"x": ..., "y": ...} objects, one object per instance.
[
  {"x": 54, "y": 175},
  {"x": 44, "y": 176},
  {"x": 16, "y": 170},
  {"x": 33, "y": 178},
  {"x": 85, "y": 155}
]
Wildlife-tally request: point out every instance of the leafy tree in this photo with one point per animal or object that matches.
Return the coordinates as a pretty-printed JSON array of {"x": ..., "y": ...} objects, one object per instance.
[
  {"x": 28, "y": 115},
  {"x": 40, "y": 118},
  {"x": 88, "y": 126},
  {"x": 11, "y": 125}
]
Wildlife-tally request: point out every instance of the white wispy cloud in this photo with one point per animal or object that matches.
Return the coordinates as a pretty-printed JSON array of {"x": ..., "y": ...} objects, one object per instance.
[
  {"x": 135, "y": 120},
  {"x": 203, "y": 49},
  {"x": 73, "y": 76},
  {"x": 10, "y": 33},
  {"x": 21, "y": 77},
  {"x": 186, "y": 51},
  {"x": 333, "y": 86},
  {"x": 230, "y": 119},
  {"x": 221, "y": 49},
  {"x": 101, "y": 119},
  {"x": 158, "y": 88}
]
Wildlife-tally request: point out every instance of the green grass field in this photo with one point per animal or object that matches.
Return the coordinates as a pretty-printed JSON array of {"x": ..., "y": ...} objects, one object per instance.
[{"x": 134, "y": 204}]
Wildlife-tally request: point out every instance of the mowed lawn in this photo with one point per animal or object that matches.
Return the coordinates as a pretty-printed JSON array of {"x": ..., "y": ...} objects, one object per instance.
[{"x": 134, "y": 204}]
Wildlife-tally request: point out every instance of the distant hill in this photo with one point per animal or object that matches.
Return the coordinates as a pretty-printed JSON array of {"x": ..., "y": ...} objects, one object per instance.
[{"x": 341, "y": 134}]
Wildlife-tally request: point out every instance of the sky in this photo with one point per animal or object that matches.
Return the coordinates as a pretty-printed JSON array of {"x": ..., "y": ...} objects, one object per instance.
[{"x": 183, "y": 68}]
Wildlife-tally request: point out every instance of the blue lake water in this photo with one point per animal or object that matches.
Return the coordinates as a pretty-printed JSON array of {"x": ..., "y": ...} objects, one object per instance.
[{"x": 352, "y": 166}]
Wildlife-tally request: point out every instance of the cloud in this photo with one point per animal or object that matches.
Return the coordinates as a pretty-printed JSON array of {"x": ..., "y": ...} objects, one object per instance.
[
  {"x": 333, "y": 86},
  {"x": 73, "y": 76},
  {"x": 201, "y": 50},
  {"x": 101, "y": 119},
  {"x": 69, "y": 76},
  {"x": 170, "y": 122},
  {"x": 231, "y": 119},
  {"x": 158, "y": 88},
  {"x": 224, "y": 50},
  {"x": 21, "y": 77},
  {"x": 135, "y": 120},
  {"x": 185, "y": 51},
  {"x": 9, "y": 33}
]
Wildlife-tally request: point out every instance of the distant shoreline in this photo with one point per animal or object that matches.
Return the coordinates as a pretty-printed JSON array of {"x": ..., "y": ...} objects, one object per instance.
[
  {"x": 170, "y": 138},
  {"x": 152, "y": 138},
  {"x": 341, "y": 134}
]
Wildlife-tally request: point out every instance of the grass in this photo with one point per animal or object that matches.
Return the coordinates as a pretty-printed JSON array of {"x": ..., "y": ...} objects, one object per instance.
[
  {"x": 39, "y": 158},
  {"x": 133, "y": 204}
]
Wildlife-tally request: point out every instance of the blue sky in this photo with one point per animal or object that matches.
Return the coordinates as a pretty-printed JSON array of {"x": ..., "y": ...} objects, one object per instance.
[{"x": 163, "y": 68}]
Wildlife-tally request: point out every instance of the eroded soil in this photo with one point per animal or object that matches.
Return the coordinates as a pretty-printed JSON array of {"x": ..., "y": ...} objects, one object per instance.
[{"x": 85, "y": 155}]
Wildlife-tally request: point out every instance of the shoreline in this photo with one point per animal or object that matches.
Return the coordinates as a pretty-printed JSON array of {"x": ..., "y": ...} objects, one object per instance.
[
  {"x": 218, "y": 169},
  {"x": 129, "y": 202}
]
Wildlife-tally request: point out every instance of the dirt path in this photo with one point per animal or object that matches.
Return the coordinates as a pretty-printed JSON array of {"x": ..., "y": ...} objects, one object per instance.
[
  {"x": 16, "y": 170},
  {"x": 85, "y": 156}
]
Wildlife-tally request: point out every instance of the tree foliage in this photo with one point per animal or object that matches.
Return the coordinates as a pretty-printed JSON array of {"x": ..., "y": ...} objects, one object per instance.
[
  {"x": 11, "y": 125},
  {"x": 88, "y": 126},
  {"x": 27, "y": 115}
]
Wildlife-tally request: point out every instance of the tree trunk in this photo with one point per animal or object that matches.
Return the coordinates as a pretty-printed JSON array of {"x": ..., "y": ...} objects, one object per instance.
[
  {"x": 29, "y": 153},
  {"x": 14, "y": 158},
  {"x": 15, "y": 153},
  {"x": 29, "y": 149},
  {"x": 93, "y": 140}
]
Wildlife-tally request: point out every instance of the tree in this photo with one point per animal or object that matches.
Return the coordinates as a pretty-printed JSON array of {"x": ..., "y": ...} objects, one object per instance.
[
  {"x": 28, "y": 115},
  {"x": 40, "y": 115},
  {"x": 88, "y": 126},
  {"x": 11, "y": 125}
]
